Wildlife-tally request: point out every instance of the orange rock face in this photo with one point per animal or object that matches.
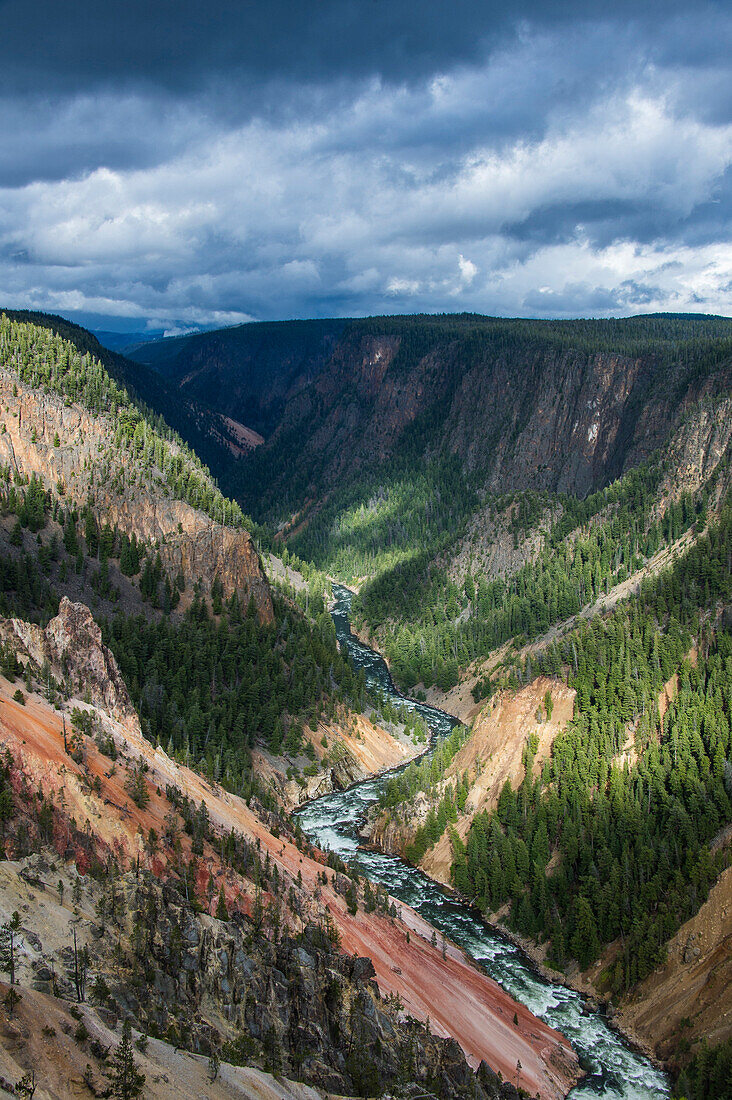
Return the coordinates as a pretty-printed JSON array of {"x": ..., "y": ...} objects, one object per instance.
[{"x": 492, "y": 754}]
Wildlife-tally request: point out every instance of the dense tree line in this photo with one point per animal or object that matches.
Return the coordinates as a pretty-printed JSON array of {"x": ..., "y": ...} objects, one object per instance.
[
  {"x": 83, "y": 543},
  {"x": 373, "y": 526},
  {"x": 708, "y": 1074},
  {"x": 429, "y": 626},
  {"x": 208, "y": 689},
  {"x": 596, "y": 849},
  {"x": 43, "y": 359},
  {"x": 25, "y": 592},
  {"x": 667, "y": 338}
]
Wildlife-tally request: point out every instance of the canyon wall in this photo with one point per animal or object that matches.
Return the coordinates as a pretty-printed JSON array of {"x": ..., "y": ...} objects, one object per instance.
[{"x": 73, "y": 452}]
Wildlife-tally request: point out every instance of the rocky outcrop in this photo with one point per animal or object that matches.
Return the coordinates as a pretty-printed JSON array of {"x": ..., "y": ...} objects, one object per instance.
[
  {"x": 491, "y": 548},
  {"x": 66, "y": 1067},
  {"x": 71, "y": 647},
  {"x": 298, "y": 1002},
  {"x": 342, "y": 751},
  {"x": 72, "y": 451},
  {"x": 336, "y": 777},
  {"x": 696, "y": 451},
  {"x": 392, "y": 832}
]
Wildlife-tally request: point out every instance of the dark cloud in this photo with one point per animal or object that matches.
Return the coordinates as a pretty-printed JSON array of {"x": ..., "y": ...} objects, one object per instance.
[
  {"x": 178, "y": 43},
  {"x": 181, "y": 164}
]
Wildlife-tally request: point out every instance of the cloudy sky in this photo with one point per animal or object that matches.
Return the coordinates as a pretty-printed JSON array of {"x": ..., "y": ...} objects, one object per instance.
[{"x": 173, "y": 164}]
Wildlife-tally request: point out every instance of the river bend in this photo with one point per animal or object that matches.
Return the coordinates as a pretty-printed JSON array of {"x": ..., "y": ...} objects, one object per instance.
[{"x": 614, "y": 1070}]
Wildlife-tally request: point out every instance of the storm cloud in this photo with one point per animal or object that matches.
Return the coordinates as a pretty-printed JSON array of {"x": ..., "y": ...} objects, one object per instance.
[{"x": 173, "y": 164}]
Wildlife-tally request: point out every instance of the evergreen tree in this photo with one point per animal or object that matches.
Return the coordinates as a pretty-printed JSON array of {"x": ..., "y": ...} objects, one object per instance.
[
  {"x": 126, "y": 1080},
  {"x": 10, "y": 939},
  {"x": 222, "y": 913},
  {"x": 71, "y": 541}
]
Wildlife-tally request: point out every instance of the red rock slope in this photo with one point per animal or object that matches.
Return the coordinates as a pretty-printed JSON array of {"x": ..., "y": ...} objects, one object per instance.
[{"x": 459, "y": 999}]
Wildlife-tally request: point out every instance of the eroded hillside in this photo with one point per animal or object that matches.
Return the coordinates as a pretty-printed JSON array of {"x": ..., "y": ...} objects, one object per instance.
[
  {"x": 197, "y": 911},
  {"x": 84, "y": 457},
  {"x": 511, "y": 724}
]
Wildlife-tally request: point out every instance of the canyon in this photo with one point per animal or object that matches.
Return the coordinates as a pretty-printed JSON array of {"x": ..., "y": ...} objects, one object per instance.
[
  {"x": 103, "y": 821},
  {"x": 566, "y": 482}
]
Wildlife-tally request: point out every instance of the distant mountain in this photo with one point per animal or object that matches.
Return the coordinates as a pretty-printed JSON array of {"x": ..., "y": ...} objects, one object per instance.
[
  {"x": 560, "y": 406},
  {"x": 124, "y": 341}
]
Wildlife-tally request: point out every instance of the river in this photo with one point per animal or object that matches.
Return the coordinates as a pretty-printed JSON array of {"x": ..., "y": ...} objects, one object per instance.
[{"x": 614, "y": 1069}]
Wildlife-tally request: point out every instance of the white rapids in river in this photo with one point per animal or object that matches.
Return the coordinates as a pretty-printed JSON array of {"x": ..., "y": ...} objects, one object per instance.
[{"x": 614, "y": 1069}]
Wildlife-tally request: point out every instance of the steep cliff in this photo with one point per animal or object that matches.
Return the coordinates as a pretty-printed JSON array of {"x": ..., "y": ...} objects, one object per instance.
[
  {"x": 71, "y": 648},
  {"x": 492, "y": 755},
  {"x": 697, "y": 453},
  {"x": 74, "y": 454},
  {"x": 689, "y": 998},
  {"x": 249, "y": 371},
  {"x": 560, "y": 406},
  {"x": 532, "y": 419}
]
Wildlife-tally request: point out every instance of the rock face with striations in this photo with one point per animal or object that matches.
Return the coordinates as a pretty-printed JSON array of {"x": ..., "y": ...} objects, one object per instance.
[
  {"x": 697, "y": 450},
  {"x": 65, "y": 445},
  {"x": 525, "y": 414},
  {"x": 561, "y": 424}
]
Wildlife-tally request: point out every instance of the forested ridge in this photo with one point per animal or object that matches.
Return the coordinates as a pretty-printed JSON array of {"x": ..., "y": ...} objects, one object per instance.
[
  {"x": 373, "y": 529},
  {"x": 209, "y": 685},
  {"x": 161, "y": 401},
  {"x": 211, "y": 682},
  {"x": 44, "y": 360},
  {"x": 443, "y": 626},
  {"x": 591, "y": 850}
]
